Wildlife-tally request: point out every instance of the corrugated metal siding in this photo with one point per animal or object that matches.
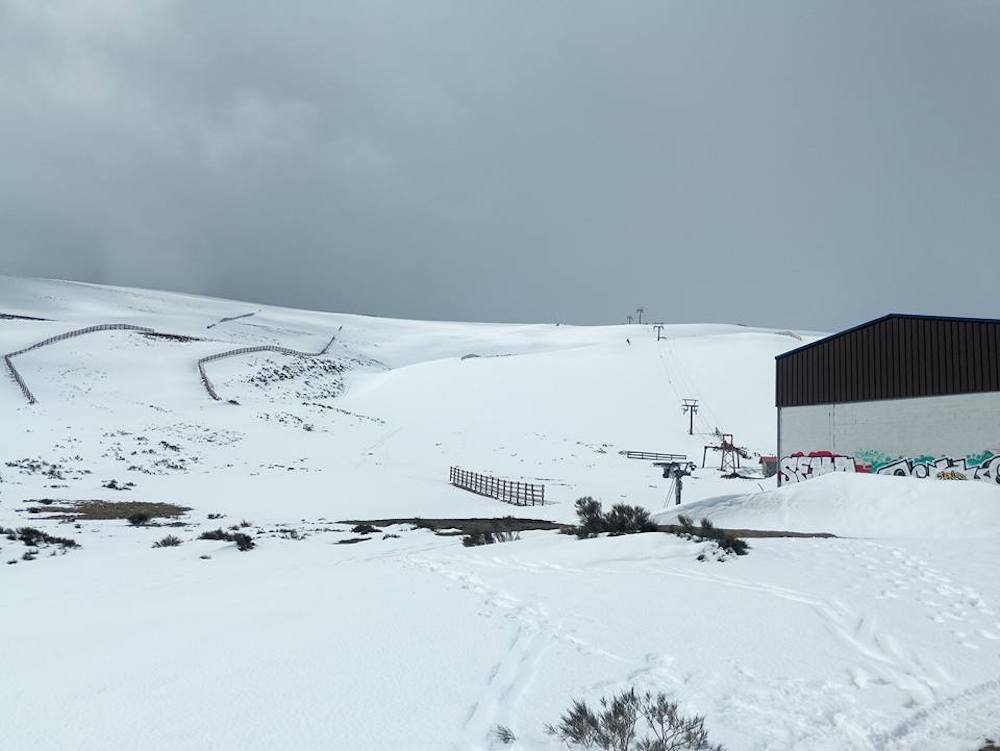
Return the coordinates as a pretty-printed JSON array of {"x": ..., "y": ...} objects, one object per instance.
[{"x": 893, "y": 358}]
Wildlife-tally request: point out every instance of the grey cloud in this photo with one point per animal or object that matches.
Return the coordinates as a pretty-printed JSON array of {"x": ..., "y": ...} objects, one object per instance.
[{"x": 778, "y": 163}]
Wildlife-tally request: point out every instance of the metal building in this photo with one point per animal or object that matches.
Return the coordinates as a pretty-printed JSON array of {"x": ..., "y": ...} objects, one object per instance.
[{"x": 901, "y": 395}]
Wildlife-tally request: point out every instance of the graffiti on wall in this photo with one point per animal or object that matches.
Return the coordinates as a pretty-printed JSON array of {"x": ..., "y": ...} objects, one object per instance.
[
  {"x": 804, "y": 466},
  {"x": 946, "y": 468},
  {"x": 801, "y": 466}
]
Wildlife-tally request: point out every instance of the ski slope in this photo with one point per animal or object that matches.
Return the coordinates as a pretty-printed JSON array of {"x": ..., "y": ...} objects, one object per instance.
[
  {"x": 545, "y": 403},
  {"x": 887, "y": 637}
]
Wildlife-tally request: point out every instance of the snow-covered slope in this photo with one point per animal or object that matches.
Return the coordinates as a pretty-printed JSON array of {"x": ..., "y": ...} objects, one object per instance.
[
  {"x": 322, "y": 637},
  {"x": 386, "y": 412}
]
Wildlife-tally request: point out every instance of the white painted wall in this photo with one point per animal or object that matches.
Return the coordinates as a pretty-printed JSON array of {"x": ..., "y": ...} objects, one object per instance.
[
  {"x": 958, "y": 424},
  {"x": 955, "y": 426}
]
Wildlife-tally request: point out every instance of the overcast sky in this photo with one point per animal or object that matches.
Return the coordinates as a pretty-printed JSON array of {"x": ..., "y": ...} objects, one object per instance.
[{"x": 796, "y": 164}]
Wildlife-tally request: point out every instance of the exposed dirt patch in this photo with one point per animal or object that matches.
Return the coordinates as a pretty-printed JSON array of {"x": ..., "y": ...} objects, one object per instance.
[
  {"x": 97, "y": 510},
  {"x": 515, "y": 524},
  {"x": 466, "y": 526},
  {"x": 752, "y": 532},
  {"x": 171, "y": 337}
]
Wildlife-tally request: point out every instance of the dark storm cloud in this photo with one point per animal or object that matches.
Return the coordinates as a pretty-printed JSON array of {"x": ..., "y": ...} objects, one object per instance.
[{"x": 795, "y": 164}]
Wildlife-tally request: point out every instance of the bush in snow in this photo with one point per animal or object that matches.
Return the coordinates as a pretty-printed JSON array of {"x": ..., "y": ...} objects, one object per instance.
[
  {"x": 617, "y": 723},
  {"x": 34, "y": 538},
  {"x": 138, "y": 520},
  {"x": 628, "y": 520},
  {"x": 622, "y": 519},
  {"x": 503, "y": 734},
  {"x": 170, "y": 541},
  {"x": 708, "y": 531},
  {"x": 365, "y": 529},
  {"x": 588, "y": 511},
  {"x": 243, "y": 541},
  {"x": 488, "y": 538}
]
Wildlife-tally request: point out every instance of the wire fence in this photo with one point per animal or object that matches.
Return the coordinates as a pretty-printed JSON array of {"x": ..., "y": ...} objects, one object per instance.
[
  {"x": 207, "y": 383},
  {"x": 508, "y": 491},
  {"x": 8, "y": 358},
  {"x": 30, "y": 397}
]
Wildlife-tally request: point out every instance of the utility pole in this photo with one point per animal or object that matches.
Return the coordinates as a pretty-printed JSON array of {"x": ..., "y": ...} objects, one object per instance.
[
  {"x": 676, "y": 471},
  {"x": 690, "y": 408},
  {"x": 659, "y": 330},
  {"x": 640, "y": 310}
]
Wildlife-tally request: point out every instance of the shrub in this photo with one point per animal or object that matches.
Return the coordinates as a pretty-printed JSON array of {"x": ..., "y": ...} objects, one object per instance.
[
  {"x": 503, "y": 734},
  {"x": 243, "y": 542},
  {"x": 621, "y": 520},
  {"x": 708, "y": 531},
  {"x": 30, "y": 536},
  {"x": 484, "y": 537},
  {"x": 364, "y": 529},
  {"x": 33, "y": 538},
  {"x": 627, "y": 520},
  {"x": 170, "y": 541},
  {"x": 138, "y": 520},
  {"x": 617, "y": 723},
  {"x": 591, "y": 519}
]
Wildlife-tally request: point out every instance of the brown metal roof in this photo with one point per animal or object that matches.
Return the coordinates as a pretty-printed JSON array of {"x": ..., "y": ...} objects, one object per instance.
[{"x": 894, "y": 357}]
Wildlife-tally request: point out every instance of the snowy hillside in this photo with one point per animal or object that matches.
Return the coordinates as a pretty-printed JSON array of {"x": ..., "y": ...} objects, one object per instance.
[
  {"x": 887, "y": 637},
  {"x": 373, "y": 427}
]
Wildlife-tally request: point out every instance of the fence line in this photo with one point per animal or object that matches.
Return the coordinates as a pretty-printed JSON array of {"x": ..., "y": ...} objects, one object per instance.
[
  {"x": 653, "y": 456},
  {"x": 207, "y": 383},
  {"x": 8, "y": 358},
  {"x": 30, "y": 397},
  {"x": 230, "y": 318},
  {"x": 508, "y": 491}
]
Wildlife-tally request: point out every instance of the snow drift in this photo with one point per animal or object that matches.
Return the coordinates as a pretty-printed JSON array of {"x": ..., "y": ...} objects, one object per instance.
[{"x": 856, "y": 505}]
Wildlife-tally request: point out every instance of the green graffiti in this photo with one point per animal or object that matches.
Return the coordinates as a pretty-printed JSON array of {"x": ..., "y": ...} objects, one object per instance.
[
  {"x": 880, "y": 459},
  {"x": 979, "y": 459},
  {"x": 875, "y": 458}
]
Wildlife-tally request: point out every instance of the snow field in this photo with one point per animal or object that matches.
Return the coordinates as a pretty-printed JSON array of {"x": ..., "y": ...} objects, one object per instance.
[{"x": 885, "y": 638}]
